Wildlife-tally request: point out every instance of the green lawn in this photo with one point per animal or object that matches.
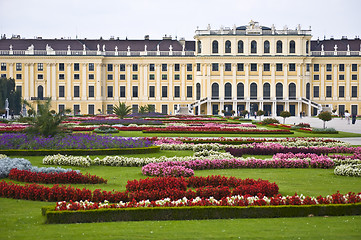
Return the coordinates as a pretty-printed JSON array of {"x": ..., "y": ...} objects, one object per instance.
[{"x": 22, "y": 219}]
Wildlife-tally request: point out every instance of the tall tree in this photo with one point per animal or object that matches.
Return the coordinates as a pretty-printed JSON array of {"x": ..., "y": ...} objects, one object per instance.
[{"x": 8, "y": 91}]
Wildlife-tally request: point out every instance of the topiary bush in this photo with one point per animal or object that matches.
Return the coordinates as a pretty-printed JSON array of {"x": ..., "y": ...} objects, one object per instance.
[{"x": 267, "y": 121}]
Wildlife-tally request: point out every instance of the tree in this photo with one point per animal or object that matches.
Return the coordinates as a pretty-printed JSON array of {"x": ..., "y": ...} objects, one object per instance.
[
  {"x": 143, "y": 109},
  {"x": 285, "y": 114},
  {"x": 8, "y": 91},
  {"x": 122, "y": 110},
  {"x": 325, "y": 117},
  {"x": 260, "y": 113},
  {"x": 45, "y": 121},
  {"x": 244, "y": 113}
]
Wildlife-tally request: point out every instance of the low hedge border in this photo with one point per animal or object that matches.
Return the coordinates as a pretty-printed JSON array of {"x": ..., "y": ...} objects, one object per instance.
[
  {"x": 197, "y": 213},
  {"x": 79, "y": 152}
]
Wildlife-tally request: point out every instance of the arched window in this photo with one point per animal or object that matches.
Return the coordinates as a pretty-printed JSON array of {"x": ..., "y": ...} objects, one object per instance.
[
  {"x": 292, "y": 91},
  {"x": 266, "y": 47},
  {"x": 215, "y": 46},
  {"x": 279, "y": 46},
  {"x": 240, "y": 91},
  {"x": 198, "y": 91},
  {"x": 40, "y": 92},
  {"x": 240, "y": 46},
  {"x": 253, "y": 90},
  {"x": 228, "y": 47},
  {"x": 266, "y": 91},
  {"x": 228, "y": 91},
  {"x": 307, "y": 46},
  {"x": 215, "y": 91},
  {"x": 308, "y": 90},
  {"x": 292, "y": 47},
  {"x": 253, "y": 47},
  {"x": 199, "y": 46},
  {"x": 279, "y": 91}
]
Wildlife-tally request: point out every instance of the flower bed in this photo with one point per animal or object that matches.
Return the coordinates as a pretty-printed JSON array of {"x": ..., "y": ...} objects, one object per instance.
[
  {"x": 215, "y": 130},
  {"x": 350, "y": 170},
  {"x": 63, "y": 177}
]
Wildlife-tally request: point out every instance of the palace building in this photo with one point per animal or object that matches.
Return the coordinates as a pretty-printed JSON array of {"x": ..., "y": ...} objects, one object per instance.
[{"x": 247, "y": 67}]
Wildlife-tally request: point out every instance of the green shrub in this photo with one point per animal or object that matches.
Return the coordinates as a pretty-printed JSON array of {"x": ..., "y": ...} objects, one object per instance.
[
  {"x": 324, "y": 130},
  {"x": 105, "y": 129},
  {"x": 267, "y": 121}
]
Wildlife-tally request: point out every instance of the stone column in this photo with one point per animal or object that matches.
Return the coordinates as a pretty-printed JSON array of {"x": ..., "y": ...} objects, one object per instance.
[
  {"x": 273, "y": 82},
  {"x": 221, "y": 85},
  {"x": 145, "y": 82},
  {"x": 48, "y": 80},
  {"x": 26, "y": 82},
  {"x": 285, "y": 82},
  {"x": 98, "y": 82},
  {"x": 170, "y": 82},
  {"x": 116, "y": 82},
  {"x": 158, "y": 82},
  {"x": 260, "y": 82},
  {"x": 53, "y": 81},
  {"x": 183, "y": 82},
  {"x": 128, "y": 92},
  {"x": 68, "y": 82},
  {"x": 83, "y": 84},
  {"x": 11, "y": 70},
  {"x": 209, "y": 86},
  {"x": 246, "y": 83},
  {"x": 359, "y": 81},
  {"x": 298, "y": 85},
  {"x": 322, "y": 83},
  {"x": 32, "y": 82},
  {"x": 348, "y": 82},
  {"x": 335, "y": 93}
]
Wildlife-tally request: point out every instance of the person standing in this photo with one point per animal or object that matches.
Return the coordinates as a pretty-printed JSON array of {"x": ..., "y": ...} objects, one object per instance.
[
  {"x": 347, "y": 116},
  {"x": 353, "y": 118}
]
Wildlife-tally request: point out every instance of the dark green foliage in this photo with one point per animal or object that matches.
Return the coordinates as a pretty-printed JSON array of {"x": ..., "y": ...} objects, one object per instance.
[
  {"x": 122, "y": 110},
  {"x": 285, "y": 114},
  {"x": 244, "y": 112},
  {"x": 267, "y": 121},
  {"x": 325, "y": 117},
  {"x": 8, "y": 91}
]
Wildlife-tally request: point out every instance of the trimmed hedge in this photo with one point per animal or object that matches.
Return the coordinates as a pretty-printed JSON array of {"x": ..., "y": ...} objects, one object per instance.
[
  {"x": 197, "y": 213},
  {"x": 79, "y": 152}
]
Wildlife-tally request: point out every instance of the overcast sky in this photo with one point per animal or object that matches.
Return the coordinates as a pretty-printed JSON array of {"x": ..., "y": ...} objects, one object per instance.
[{"x": 136, "y": 18}]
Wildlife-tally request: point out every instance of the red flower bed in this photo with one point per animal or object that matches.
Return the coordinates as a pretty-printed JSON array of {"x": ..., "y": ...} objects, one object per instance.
[
  {"x": 212, "y": 130},
  {"x": 66, "y": 177}
]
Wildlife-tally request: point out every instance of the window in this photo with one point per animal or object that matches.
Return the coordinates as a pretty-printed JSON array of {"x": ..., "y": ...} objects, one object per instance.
[
  {"x": 279, "y": 67},
  {"x": 3, "y": 75},
  {"x": 279, "y": 91},
  {"x": 152, "y": 91},
  {"x": 189, "y": 76},
  {"x": 151, "y": 67},
  {"x": 176, "y": 91},
  {"x": 308, "y": 91},
  {"x": 164, "y": 108},
  {"x": 61, "y": 67},
  {"x": 341, "y": 67},
  {"x": 189, "y": 67},
  {"x": 214, "y": 66},
  {"x": 189, "y": 91},
  {"x": 292, "y": 47},
  {"x": 91, "y": 91},
  {"x": 40, "y": 76},
  {"x": 354, "y": 76},
  {"x": 135, "y": 67},
  {"x": 164, "y": 67},
  {"x": 61, "y": 108},
  {"x": 176, "y": 67},
  {"x": 253, "y": 47},
  {"x": 91, "y": 109},
  {"x": 76, "y": 76},
  {"x": 316, "y": 67},
  {"x": 122, "y": 92},
  {"x": 61, "y": 91},
  {"x": 292, "y": 91},
  {"x": 240, "y": 46},
  {"x": 151, "y": 77},
  {"x": 308, "y": 67},
  {"x": 176, "y": 77},
  {"x": 76, "y": 66},
  {"x": 18, "y": 67},
  {"x": 40, "y": 67},
  {"x": 109, "y": 108},
  {"x": 354, "y": 91},
  {"x": 266, "y": 47},
  {"x": 91, "y": 76},
  {"x": 76, "y": 108},
  {"x": 316, "y": 91},
  {"x": 253, "y": 90},
  {"x": 215, "y": 46},
  {"x": 215, "y": 91},
  {"x": 307, "y": 46},
  {"x": 110, "y": 76},
  {"x": 228, "y": 67},
  {"x": 266, "y": 91},
  {"x": 316, "y": 77},
  {"x": 61, "y": 76},
  {"x": 253, "y": 67},
  {"x": 122, "y": 77},
  {"x": 76, "y": 91},
  {"x": 266, "y": 67},
  {"x": 341, "y": 91},
  {"x": 228, "y": 91},
  {"x": 198, "y": 67},
  {"x": 164, "y": 76},
  {"x": 40, "y": 92},
  {"x": 91, "y": 67},
  {"x": 135, "y": 108},
  {"x": 135, "y": 91},
  {"x": 279, "y": 46},
  {"x": 328, "y": 91},
  {"x": 135, "y": 77},
  {"x": 341, "y": 77},
  {"x": 3, "y": 66},
  {"x": 199, "y": 46},
  {"x": 292, "y": 67},
  {"x": 328, "y": 77},
  {"x": 122, "y": 67},
  {"x": 110, "y": 67},
  {"x": 164, "y": 91},
  {"x": 328, "y": 67},
  {"x": 110, "y": 92},
  {"x": 228, "y": 47},
  {"x": 240, "y": 91},
  {"x": 354, "y": 67},
  {"x": 19, "y": 76},
  {"x": 240, "y": 67},
  {"x": 198, "y": 91}
]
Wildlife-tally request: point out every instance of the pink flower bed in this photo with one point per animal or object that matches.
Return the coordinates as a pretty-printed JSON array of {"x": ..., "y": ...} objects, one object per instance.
[
  {"x": 172, "y": 129},
  {"x": 12, "y": 127}
]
